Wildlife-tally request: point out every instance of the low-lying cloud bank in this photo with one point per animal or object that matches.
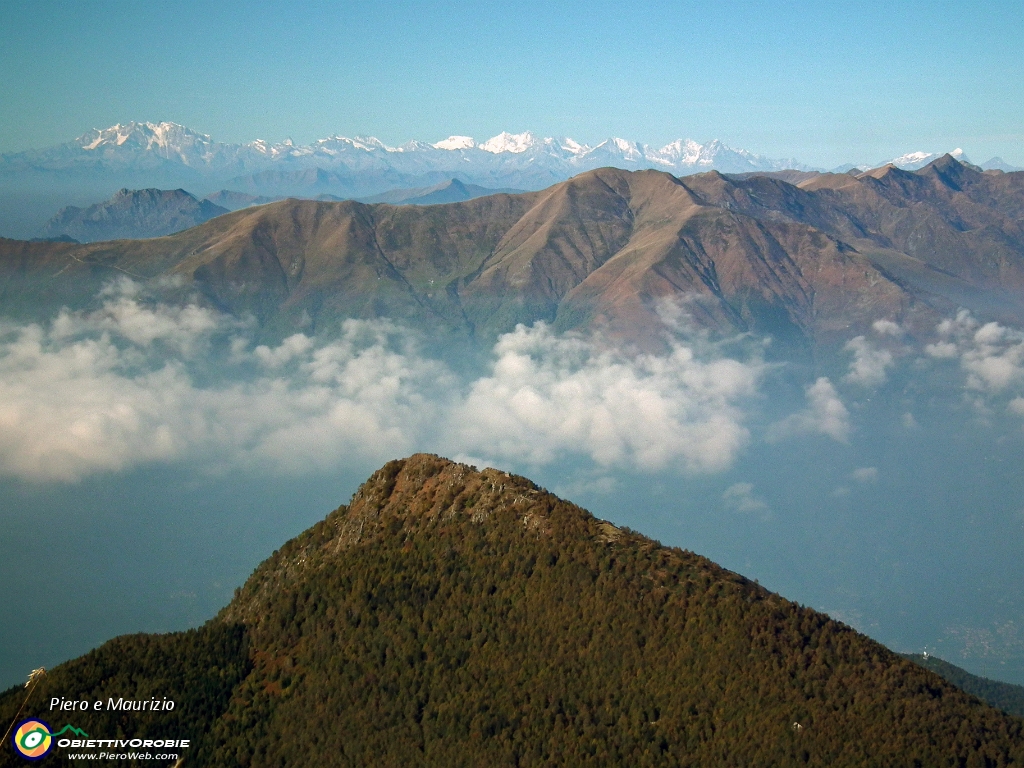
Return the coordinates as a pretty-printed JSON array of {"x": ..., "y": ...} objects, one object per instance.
[
  {"x": 548, "y": 395},
  {"x": 991, "y": 354},
  {"x": 138, "y": 382},
  {"x": 73, "y": 402}
]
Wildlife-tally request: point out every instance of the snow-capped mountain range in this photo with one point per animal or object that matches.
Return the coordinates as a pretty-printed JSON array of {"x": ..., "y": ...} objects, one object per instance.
[
  {"x": 148, "y": 145},
  {"x": 138, "y": 155},
  {"x": 521, "y": 160},
  {"x": 132, "y": 143},
  {"x": 913, "y": 161}
]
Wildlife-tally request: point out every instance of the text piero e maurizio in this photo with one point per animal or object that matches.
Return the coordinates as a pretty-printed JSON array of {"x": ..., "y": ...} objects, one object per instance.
[{"x": 111, "y": 705}]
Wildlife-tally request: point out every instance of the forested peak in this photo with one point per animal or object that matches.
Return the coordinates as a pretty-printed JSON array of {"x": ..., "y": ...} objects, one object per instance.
[
  {"x": 450, "y": 616},
  {"x": 426, "y": 500},
  {"x": 411, "y": 498}
]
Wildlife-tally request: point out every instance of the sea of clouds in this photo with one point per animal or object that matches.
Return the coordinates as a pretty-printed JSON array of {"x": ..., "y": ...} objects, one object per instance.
[{"x": 138, "y": 381}]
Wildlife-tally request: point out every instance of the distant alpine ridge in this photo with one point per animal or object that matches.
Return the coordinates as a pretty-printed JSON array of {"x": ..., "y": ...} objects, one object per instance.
[{"x": 150, "y": 145}]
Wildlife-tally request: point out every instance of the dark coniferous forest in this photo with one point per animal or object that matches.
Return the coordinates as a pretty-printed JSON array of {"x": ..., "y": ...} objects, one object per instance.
[{"x": 453, "y": 617}]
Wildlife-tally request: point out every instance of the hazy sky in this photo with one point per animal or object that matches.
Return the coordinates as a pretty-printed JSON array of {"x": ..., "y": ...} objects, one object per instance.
[{"x": 825, "y": 82}]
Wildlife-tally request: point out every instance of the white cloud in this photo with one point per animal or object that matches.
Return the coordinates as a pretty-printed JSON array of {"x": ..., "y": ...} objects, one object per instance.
[
  {"x": 887, "y": 328},
  {"x": 677, "y": 312},
  {"x": 549, "y": 395},
  {"x": 869, "y": 363},
  {"x": 126, "y": 315},
  {"x": 992, "y": 355},
  {"x": 942, "y": 350},
  {"x": 292, "y": 347},
  {"x": 825, "y": 414},
  {"x": 139, "y": 382},
  {"x": 71, "y": 409},
  {"x": 993, "y": 370},
  {"x": 86, "y": 395},
  {"x": 740, "y": 497},
  {"x": 124, "y": 386},
  {"x": 865, "y": 474},
  {"x": 367, "y": 394}
]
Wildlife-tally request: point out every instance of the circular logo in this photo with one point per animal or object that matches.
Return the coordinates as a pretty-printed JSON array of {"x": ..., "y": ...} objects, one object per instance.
[{"x": 32, "y": 739}]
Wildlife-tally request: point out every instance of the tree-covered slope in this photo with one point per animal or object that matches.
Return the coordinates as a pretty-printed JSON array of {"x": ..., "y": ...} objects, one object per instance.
[
  {"x": 1005, "y": 696},
  {"x": 454, "y": 617},
  {"x": 198, "y": 670}
]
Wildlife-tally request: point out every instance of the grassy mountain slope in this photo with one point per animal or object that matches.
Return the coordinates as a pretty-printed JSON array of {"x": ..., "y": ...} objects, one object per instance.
[
  {"x": 603, "y": 250},
  {"x": 455, "y": 617}
]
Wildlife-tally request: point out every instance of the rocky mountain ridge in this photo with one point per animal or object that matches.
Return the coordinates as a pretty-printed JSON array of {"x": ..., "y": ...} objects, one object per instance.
[{"x": 132, "y": 214}]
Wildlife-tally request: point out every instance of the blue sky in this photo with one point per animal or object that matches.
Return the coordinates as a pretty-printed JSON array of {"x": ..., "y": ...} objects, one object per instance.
[{"x": 823, "y": 82}]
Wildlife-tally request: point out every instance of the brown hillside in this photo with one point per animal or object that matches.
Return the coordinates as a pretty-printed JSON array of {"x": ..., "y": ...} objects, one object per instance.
[{"x": 606, "y": 249}]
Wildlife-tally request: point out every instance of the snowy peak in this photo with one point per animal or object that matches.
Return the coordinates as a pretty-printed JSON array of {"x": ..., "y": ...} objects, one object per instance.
[
  {"x": 162, "y": 138},
  {"x": 146, "y": 136},
  {"x": 370, "y": 143},
  {"x": 169, "y": 154},
  {"x": 176, "y": 142},
  {"x": 573, "y": 147},
  {"x": 627, "y": 150},
  {"x": 344, "y": 143},
  {"x": 914, "y": 161},
  {"x": 168, "y": 141},
  {"x": 453, "y": 143},
  {"x": 549, "y": 158},
  {"x": 513, "y": 143},
  {"x": 686, "y": 156},
  {"x": 685, "y": 151}
]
